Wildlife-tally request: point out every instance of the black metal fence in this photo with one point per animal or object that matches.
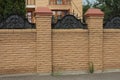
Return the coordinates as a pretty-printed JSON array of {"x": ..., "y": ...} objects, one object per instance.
[
  {"x": 112, "y": 23},
  {"x": 68, "y": 22},
  {"x": 16, "y": 21}
]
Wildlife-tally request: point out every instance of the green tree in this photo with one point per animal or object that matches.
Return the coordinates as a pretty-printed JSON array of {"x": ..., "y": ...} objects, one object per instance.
[
  {"x": 8, "y": 7},
  {"x": 109, "y": 7},
  {"x": 86, "y": 6}
]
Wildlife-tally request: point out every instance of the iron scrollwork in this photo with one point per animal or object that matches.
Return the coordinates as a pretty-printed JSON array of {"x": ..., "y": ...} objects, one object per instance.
[
  {"x": 113, "y": 23},
  {"x": 16, "y": 22},
  {"x": 69, "y": 22}
]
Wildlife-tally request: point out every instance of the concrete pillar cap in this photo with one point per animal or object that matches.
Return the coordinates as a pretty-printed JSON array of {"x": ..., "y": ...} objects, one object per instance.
[
  {"x": 94, "y": 12},
  {"x": 43, "y": 11}
]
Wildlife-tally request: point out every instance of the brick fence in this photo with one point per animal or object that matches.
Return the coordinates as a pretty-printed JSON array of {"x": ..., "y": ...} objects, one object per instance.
[{"x": 60, "y": 51}]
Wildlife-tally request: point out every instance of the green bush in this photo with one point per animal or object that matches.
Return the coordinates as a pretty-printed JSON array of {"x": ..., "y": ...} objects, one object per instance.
[{"x": 91, "y": 67}]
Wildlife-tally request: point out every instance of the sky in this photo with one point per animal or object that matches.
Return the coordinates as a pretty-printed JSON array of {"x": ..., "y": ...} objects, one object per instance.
[{"x": 84, "y": 1}]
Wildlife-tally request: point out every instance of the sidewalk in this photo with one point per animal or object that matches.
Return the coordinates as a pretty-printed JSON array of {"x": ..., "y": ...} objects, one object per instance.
[{"x": 103, "y": 76}]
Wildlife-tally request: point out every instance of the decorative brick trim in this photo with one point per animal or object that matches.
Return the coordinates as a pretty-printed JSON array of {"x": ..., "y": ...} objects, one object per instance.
[
  {"x": 94, "y": 12},
  {"x": 69, "y": 30},
  {"x": 17, "y": 30}
]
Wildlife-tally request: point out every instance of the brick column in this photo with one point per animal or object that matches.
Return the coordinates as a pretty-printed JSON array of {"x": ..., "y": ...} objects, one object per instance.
[
  {"x": 43, "y": 25},
  {"x": 94, "y": 19}
]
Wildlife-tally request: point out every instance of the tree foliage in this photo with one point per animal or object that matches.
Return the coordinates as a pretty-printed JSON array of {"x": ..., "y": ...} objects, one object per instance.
[
  {"x": 86, "y": 6},
  {"x": 8, "y": 7},
  {"x": 109, "y": 7}
]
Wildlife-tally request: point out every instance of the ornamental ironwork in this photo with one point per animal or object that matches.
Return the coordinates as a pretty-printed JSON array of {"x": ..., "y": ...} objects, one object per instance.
[
  {"x": 16, "y": 22},
  {"x": 69, "y": 22},
  {"x": 113, "y": 23}
]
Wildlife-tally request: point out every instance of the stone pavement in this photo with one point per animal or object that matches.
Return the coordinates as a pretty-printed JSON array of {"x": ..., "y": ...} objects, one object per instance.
[{"x": 103, "y": 76}]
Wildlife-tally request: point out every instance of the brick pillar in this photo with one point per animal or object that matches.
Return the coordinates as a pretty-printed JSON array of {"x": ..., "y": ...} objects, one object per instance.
[
  {"x": 94, "y": 19},
  {"x": 43, "y": 25}
]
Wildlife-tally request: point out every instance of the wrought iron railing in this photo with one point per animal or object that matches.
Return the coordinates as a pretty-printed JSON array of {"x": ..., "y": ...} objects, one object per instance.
[
  {"x": 16, "y": 21},
  {"x": 68, "y": 22},
  {"x": 30, "y": 2},
  {"x": 112, "y": 23}
]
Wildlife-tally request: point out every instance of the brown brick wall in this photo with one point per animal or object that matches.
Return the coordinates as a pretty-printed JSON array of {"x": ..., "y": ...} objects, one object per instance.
[
  {"x": 111, "y": 49},
  {"x": 70, "y": 50},
  {"x": 17, "y": 51}
]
